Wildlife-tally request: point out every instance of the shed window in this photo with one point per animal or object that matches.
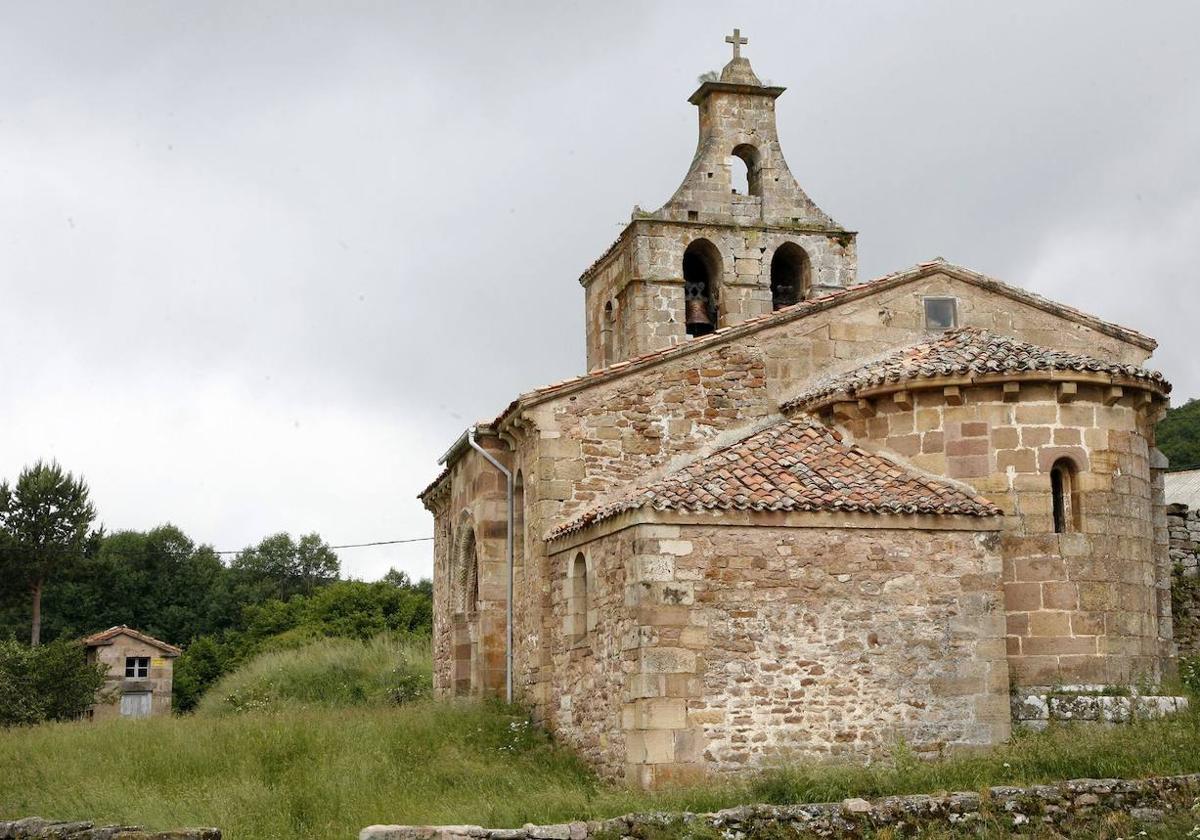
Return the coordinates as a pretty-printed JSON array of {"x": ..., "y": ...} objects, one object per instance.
[
  {"x": 941, "y": 313},
  {"x": 137, "y": 667}
]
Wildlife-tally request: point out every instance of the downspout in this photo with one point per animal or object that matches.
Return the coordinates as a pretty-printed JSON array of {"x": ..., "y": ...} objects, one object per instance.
[{"x": 508, "y": 550}]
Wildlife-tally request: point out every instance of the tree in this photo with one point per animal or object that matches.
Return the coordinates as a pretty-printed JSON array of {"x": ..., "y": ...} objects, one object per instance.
[
  {"x": 279, "y": 567},
  {"x": 51, "y": 682},
  {"x": 46, "y": 521}
]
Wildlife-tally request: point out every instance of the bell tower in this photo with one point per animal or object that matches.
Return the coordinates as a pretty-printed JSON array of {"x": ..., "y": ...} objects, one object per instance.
[{"x": 739, "y": 238}]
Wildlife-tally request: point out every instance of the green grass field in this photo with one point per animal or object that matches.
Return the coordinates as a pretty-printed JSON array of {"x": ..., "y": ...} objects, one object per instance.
[{"x": 308, "y": 763}]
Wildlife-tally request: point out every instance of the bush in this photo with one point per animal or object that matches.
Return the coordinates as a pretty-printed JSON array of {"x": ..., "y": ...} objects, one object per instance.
[
  {"x": 47, "y": 683},
  {"x": 326, "y": 673}
]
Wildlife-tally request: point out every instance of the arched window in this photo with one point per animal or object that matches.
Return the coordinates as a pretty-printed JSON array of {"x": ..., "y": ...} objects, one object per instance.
[
  {"x": 791, "y": 275},
  {"x": 1064, "y": 497},
  {"x": 467, "y": 573},
  {"x": 519, "y": 521},
  {"x": 701, "y": 274},
  {"x": 745, "y": 170},
  {"x": 577, "y": 599}
]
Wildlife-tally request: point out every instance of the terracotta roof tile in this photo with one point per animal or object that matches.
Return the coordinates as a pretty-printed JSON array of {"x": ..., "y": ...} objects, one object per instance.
[
  {"x": 963, "y": 352},
  {"x": 794, "y": 465},
  {"x": 105, "y": 637}
]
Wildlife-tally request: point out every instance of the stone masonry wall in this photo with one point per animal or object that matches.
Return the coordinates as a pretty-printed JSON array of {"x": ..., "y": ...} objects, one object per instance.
[
  {"x": 575, "y": 448},
  {"x": 468, "y": 645},
  {"x": 1087, "y": 607},
  {"x": 754, "y": 644},
  {"x": 1184, "y": 533},
  {"x": 1057, "y": 808},
  {"x": 157, "y": 683},
  {"x": 30, "y": 828}
]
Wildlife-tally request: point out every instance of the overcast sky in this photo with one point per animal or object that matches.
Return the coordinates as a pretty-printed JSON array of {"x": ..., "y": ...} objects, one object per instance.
[{"x": 260, "y": 263}]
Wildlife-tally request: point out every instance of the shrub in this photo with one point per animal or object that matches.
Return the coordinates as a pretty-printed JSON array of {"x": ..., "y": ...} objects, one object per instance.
[
  {"x": 326, "y": 673},
  {"x": 47, "y": 683}
]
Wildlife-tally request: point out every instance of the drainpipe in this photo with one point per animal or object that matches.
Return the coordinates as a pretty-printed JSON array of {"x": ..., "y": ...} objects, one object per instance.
[{"x": 508, "y": 550}]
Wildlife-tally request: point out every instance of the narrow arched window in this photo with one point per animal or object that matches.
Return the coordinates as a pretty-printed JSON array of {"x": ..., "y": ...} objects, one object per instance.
[
  {"x": 791, "y": 275},
  {"x": 606, "y": 334},
  {"x": 466, "y": 582},
  {"x": 745, "y": 170},
  {"x": 519, "y": 521},
  {"x": 1063, "y": 496},
  {"x": 577, "y": 599},
  {"x": 701, "y": 274}
]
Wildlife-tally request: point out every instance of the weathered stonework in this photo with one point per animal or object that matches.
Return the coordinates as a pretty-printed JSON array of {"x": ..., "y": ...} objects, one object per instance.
[
  {"x": 30, "y": 828},
  {"x": 126, "y": 692},
  {"x": 744, "y": 627},
  {"x": 1049, "y": 806}
]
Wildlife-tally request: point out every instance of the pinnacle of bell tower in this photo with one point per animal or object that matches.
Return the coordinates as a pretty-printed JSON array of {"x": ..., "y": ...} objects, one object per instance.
[{"x": 738, "y": 239}]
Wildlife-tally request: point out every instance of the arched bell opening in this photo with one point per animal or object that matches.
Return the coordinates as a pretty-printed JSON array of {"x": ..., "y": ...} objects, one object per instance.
[
  {"x": 791, "y": 275},
  {"x": 701, "y": 276},
  {"x": 745, "y": 170}
]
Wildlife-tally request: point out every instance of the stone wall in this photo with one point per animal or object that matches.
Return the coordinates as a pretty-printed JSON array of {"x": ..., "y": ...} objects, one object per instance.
[
  {"x": 1183, "y": 528},
  {"x": 735, "y": 646},
  {"x": 157, "y": 683},
  {"x": 1056, "y": 808},
  {"x": 1089, "y": 606},
  {"x": 36, "y": 827}
]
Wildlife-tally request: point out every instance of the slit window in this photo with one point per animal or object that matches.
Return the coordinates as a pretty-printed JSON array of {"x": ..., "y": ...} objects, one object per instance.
[
  {"x": 137, "y": 667},
  {"x": 941, "y": 313},
  {"x": 1063, "y": 497}
]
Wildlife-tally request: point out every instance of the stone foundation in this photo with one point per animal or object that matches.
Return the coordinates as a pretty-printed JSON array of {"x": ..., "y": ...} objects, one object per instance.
[
  {"x": 1084, "y": 704},
  {"x": 1055, "y": 806}
]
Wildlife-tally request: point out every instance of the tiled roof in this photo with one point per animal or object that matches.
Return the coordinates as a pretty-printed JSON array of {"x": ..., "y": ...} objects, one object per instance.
[
  {"x": 793, "y": 465},
  {"x": 105, "y": 637},
  {"x": 963, "y": 352}
]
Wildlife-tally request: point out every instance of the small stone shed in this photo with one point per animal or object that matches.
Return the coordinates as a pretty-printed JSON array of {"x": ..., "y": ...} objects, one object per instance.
[{"x": 140, "y": 672}]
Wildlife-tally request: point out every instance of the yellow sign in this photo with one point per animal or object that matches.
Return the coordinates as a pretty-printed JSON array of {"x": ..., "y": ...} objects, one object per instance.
[{"x": 158, "y": 663}]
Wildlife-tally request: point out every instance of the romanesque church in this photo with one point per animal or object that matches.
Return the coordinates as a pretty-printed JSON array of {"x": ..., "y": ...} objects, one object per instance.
[{"x": 788, "y": 515}]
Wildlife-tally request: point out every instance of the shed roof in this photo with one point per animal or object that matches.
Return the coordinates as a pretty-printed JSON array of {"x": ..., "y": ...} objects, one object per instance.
[{"x": 106, "y": 637}]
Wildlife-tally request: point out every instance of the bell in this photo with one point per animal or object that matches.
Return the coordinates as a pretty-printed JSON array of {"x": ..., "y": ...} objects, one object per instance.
[{"x": 697, "y": 320}]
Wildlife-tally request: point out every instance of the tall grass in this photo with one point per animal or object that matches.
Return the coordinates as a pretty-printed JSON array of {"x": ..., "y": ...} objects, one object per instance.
[{"x": 307, "y": 765}]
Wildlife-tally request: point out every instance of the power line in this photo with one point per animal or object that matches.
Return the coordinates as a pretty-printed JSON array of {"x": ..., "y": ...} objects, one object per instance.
[
  {"x": 349, "y": 545},
  {"x": 251, "y": 548}
]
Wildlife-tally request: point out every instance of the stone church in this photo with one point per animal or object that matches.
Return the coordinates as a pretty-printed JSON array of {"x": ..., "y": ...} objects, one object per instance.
[{"x": 788, "y": 515}]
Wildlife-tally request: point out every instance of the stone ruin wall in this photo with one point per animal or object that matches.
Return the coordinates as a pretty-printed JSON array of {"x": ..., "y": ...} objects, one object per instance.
[
  {"x": 735, "y": 646},
  {"x": 1067, "y": 621},
  {"x": 1066, "y": 809},
  {"x": 1183, "y": 528}
]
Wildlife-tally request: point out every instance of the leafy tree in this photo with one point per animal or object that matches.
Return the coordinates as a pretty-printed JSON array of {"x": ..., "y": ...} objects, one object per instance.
[
  {"x": 279, "y": 567},
  {"x": 1178, "y": 435},
  {"x": 46, "y": 520},
  {"x": 50, "y": 682}
]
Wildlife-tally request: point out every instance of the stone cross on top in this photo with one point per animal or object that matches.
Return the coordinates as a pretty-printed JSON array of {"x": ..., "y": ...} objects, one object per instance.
[{"x": 737, "y": 40}]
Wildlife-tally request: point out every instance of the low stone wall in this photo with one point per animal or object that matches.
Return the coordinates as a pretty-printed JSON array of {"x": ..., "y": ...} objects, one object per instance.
[
  {"x": 1052, "y": 805},
  {"x": 1183, "y": 528},
  {"x": 36, "y": 827},
  {"x": 1035, "y": 709}
]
